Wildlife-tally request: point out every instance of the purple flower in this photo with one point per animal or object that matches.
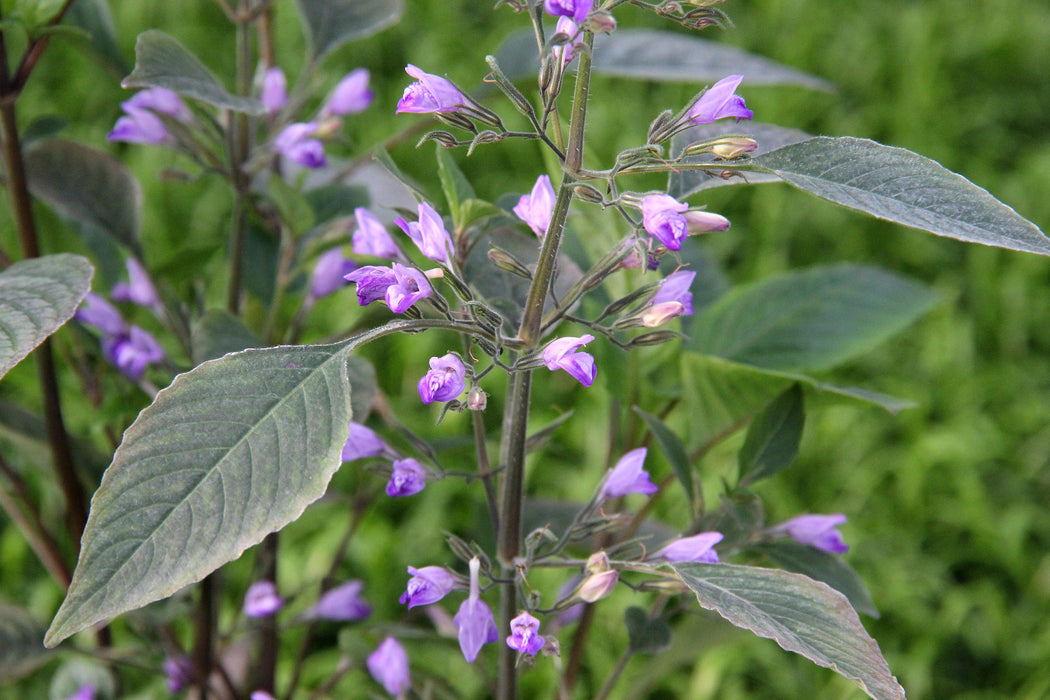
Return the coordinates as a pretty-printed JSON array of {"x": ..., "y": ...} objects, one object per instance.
[
  {"x": 816, "y": 531},
  {"x": 671, "y": 300},
  {"x": 429, "y": 233},
  {"x": 261, "y": 695},
  {"x": 535, "y": 209},
  {"x": 718, "y": 102},
  {"x": 351, "y": 95},
  {"x": 628, "y": 476},
  {"x": 362, "y": 442},
  {"x": 84, "y": 692},
  {"x": 567, "y": 51},
  {"x": 296, "y": 142},
  {"x": 474, "y": 620},
  {"x": 371, "y": 237},
  {"x": 524, "y": 634},
  {"x": 343, "y": 603},
  {"x": 398, "y": 285},
  {"x": 430, "y": 93},
  {"x": 576, "y": 9},
  {"x": 330, "y": 273},
  {"x": 695, "y": 548},
  {"x": 178, "y": 672},
  {"x": 262, "y": 600},
  {"x": 389, "y": 666},
  {"x": 408, "y": 478},
  {"x": 662, "y": 217},
  {"x": 141, "y": 123},
  {"x": 445, "y": 380},
  {"x": 132, "y": 352},
  {"x": 274, "y": 94},
  {"x": 96, "y": 311},
  {"x": 561, "y": 354},
  {"x": 160, "y": 101},
  {"x": 427, "y": 585},
  {"x": 705, "y": 222},
  {"x": 138, "y": 289}
]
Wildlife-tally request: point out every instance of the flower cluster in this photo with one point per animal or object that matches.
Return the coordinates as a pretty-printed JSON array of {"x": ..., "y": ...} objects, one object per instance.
[
  {"x": 143, "y": 119},
  {"x": 129, "y": 348}
]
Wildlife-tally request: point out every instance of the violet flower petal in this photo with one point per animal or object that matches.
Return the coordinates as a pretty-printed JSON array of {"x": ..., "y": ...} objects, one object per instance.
[
  {"x": 408, "y": 478},
  {"x": 430, "y": 93},
  {"x": 628, "y": 477},
  {"x": 719, "y": 102},
  {"x": 560, "y": 354},
  {"x": 445, "y": 380},
  {"x": 262, "y": 600},
  {"x": 427, "y": 585},
  {"x": 388, "y": 664},
  {"x": 695, "y": 548}
]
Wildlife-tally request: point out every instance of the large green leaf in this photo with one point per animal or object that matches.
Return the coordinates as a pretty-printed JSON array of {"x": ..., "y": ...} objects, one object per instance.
[
  {"x": 87, "y": 185},
  {"x": 809, "y": 320},
  {"x": 818, "y": 564},
  {"x": 331, "y": 23},
  {"x": 801, "y": 615},
  {"x": 93, "y": 16},
  {"x": 898, "y": 185},
  {"x": 20, "y": 636},
  {"x": 772, "y": 440},
  {"x": 231, "y": 451},
  {"x": 36, "y": 297},
  {"x": 161, "y": 61},
  {"x": 674, "y": 450}
]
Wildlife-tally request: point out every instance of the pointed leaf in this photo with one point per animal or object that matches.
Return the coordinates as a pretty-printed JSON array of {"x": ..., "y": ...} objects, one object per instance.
[
  {"x": 801, "y": 615},
  {"x": 773, "y": 438},
  {"x": 331, "y": 23},
  {"x": 904, "y": 187},
  {"x": 20, "y": 637},
  {"x": 161, "y": 61},
  {"x": 674, "y": 450},
  {"x": 93, "y": 16},
  {"x": 454, "y": 184},
  {"x": 87, "y": 185},
  {"x": 37, "y": 296},
  {"x": 809, "y": 320},
  {"x": 819, "y": 565},
  {"x": 231, "y": 451}
]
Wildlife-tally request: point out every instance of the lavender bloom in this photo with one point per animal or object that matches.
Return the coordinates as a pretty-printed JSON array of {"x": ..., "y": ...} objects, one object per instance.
[
  {"x": 535, "y": 208},
  {"x": 274, "y": 95},
  {"x": 330, "y": 273},
  {"x": 178, "y": 672},
  {"x": 628, "y": 476},
  {"x": 816, "y": 531},
  {"x": 567, "y": 51},
  {"x": 671, "y": 300},
  {"x": 705, "y": 222},
  {"x": 371, "y": 237},
  {"x": 662, "y": 217},
  {"x": 296, "y": 142},
  {"x": 84, "y": 692},
  {"x": 261, "y": 695},
  {"x": 138, "y": 289},
  {"x": 560, "y": 354},
  {"x": 719, "y": 102},
  {"x": 399, "y": 286},
  {"x": 132, "y": 352},
  {"x": 445, "y": 380},
  {"x": 474, "y": 620},
  {"x": 576, "y": 9},
  {"x": 427, "y": 585},
  {"x": 161, "y": 101},
  {"x": 362, "y": 442},
  {"x": 430, "y": 93},
  {"x": 262, "y": 600},
  {"x": 524, "y": 636},
  {"x": 351, "y": 95},
  {"x": 342, "y": 603},
  {"x": 429, "y": 233},
  {"x": 695, "y": 548},
  {"x": 389, "y": 666},
  {"x": 408, "y": 478},
  {"x": 140, "y": 123},
  {"x": 96, "y": 311}
]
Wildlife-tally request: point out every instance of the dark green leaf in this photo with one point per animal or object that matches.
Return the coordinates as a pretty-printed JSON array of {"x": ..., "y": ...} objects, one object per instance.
[
  {"x": 773, "y": 438},
  {"x": 331, "y": 23},
  {"x": 818, "y": 564},
  {"x": 674, "y": 450},
  {"x": 363, "y": 387},
  {"x": 903, "y": 187},
  {"x": 20, "y": 638},
  {"x": 809, "y": 320},
  {"x": 801, "y": 615},
  {"x": 37, "y": 297},
  {"x": 161, "y": 61},
  {"x": 43, "y": 128},
  {"x": 646, "y": 635},
  {"x": 219, "y": 333},
  {"x": 93, "y": 17}
]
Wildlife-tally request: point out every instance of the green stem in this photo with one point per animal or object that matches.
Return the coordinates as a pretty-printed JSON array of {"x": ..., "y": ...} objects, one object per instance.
[{"x": 240, "y": 149}]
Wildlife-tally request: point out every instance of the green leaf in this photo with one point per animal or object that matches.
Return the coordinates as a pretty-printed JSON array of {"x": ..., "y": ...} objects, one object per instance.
[
  {"x": 674, "y": 450},
  {"x": 88, "y": 186},
  {"x": 331, "y": 23},
  {"x": 37, "y": 296},
  {"x": 161, "y": 61},
  {"x": 231, "y": 451},
  {"x": 801, "y": 615},
  {"x": 819, "y": 565},
  {"x": 809, "y": 320},
  {"x": 454, "y": 184},
  {"x": 773, "y": 438},
  {"x": 363, "y": 385},
  {"x": 219, "y": 333},
  {"x": 20, "y": 637},
  {"x": 904, "y": 187},
  {"x": 75, "y": 673},
  {"x": 646, "y": 635},
  {"x": 93, "y": 16}
]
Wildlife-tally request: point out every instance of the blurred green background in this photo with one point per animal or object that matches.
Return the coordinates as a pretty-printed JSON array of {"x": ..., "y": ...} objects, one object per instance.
[{"x": 949, "y": 502}]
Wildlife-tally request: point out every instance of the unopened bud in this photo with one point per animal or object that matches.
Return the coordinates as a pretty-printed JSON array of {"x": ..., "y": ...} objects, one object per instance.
[
  {"x": 653, "y": 338},
  {"x": 661, "y": 128},
  {"x": 327, "y": 127},
  {"x": 487, "y": 136},
  {"x": 476, "y": 399},
  {"x": 659, "y": 314},
  {"x": 601, "y": 22},
  {"x": 598, "y": 563},
  {"x": 506, "y": 261},
  {"x": 597, "y": 586},
  {"x": 734, "y": 147},
  {"x": 588, "y": 193},
  {"x": 705, "y": 222},
  {"x": 443, "y": 137}
]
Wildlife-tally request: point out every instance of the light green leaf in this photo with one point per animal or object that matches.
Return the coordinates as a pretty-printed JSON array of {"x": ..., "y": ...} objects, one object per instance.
[
  {"x": 809, "y": 320},
  {"x": 819, "y": 565},
  {"x": 772, "y": 440},
  {"x": 88, "y": 186},
  {"x": 37, "y": 296},
  {"x": 801, "y": 615},
  {"x": 454, "y": 184},
  {"x": 20, "y": 637},
  {"x": 903, "y": 187},
  {"x": 674, "y": 450},
  {"x": 161, "y": 61},
  {"x": 331, "y": 23},
  {"x": 231, "y": 451}
]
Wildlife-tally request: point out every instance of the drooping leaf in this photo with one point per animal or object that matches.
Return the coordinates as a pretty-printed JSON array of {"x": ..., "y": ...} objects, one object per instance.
[
  {"x": 93, "y": 16},
  {"x": 331, "y": 23},
  {"x": 20, "y": 637},
  {"x": 231, "y": 451},
  {"x": 161, "y": 61},
  {"x": 674, "y": 450},
  {"x": 37, "y": 296},
  {"x": 904, "y": 187},
  {"x": 809, "y": 320},
  {"x": 87, "y": 185},
  {"x": 646, "y": 635},
  {"x": 819, "y": 565},
  {"x": 772, "y": 440},
  {"x": 801, "y": 615}
]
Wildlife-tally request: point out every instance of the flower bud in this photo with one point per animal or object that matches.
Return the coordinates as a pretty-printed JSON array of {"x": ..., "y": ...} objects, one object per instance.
[
  {"x": 705, "y": 222},
  {"x": 476, "y": 399},
  {"x": 598, "y": 586},
  {"x": 659, "y": 314},
  {"x": 598, "y": 563},
  {"x": 506, "y": 261},
  {"x": 601, "y": 22},
  {"x": 734, "y": 147}
]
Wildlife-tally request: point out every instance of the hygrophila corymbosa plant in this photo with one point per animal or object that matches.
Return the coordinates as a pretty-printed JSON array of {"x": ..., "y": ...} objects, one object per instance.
[{"x": 525, "y": 301}]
